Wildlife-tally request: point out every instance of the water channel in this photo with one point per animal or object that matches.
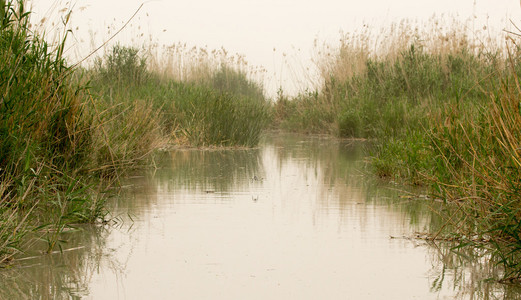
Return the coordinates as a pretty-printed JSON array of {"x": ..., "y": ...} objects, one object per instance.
[{"x": 297, "y": 218}]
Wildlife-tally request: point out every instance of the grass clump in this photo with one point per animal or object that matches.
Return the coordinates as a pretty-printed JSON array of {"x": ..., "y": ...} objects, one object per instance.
[
  {"x": 222, "y": 108},
  {"x": 45, "y": 138},
  {"x": 478, "y": 171}
]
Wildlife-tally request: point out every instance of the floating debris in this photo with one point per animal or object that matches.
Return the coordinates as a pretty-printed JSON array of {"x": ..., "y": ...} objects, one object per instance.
[{"x": 255, "y": 178}]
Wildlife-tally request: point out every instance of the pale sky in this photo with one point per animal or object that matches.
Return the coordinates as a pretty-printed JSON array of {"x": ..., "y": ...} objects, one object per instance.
[{"x": 254, "y": 28}]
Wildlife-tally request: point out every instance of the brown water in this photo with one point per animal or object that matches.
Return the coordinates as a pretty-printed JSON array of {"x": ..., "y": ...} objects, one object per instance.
[{"x": 297, "y": 218}]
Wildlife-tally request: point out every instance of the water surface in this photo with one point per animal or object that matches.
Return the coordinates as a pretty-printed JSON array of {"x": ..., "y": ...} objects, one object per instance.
[{"x": 296, "y": 218}]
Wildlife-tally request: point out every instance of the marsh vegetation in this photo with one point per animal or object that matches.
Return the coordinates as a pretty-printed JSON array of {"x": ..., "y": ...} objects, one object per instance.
[
  {"x": 440, "y": 107},
  {"x": 69, "y": 133}
]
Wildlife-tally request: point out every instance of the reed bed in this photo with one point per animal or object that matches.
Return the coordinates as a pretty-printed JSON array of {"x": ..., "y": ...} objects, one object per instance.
[
  {"x": 207, "y": 106},
  {"x": 45, "y": 139},
  {"x": 68, "y": 133},
  {"x": 478, "y": 171},
  {"x": 440, "y": 104}
]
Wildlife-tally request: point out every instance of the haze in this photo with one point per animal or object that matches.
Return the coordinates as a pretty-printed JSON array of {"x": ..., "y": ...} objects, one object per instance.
[{"x": 256, "y": 28}]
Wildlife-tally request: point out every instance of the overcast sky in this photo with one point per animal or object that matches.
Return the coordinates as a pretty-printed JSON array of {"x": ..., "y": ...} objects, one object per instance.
[{"x": 254, "y": 28}]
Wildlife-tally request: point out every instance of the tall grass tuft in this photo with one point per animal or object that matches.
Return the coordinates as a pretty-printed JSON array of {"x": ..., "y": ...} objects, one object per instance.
[
  {"x": 478, "y": 171},
  {"x": 222, "y": 119},
  {"x": 218, "y": 107},
  {"x": 45, "y": 138}
]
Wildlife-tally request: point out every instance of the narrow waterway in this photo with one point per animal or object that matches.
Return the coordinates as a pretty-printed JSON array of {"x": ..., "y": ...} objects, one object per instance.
[{"x": 297, "y": 218}]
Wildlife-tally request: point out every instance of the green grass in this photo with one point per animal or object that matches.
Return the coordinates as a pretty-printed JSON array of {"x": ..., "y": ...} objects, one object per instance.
[
  {"x": 445, "y": 119},
  {"x": 46, "y": 137},
  {"x": 478, "y": 170},
  {"x": 225, "y": 109},
  {"x": 66, "y": 133}
]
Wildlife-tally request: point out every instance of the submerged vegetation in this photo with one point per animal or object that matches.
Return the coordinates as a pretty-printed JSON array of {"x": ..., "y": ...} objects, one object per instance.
[
  {"x": 442, "y": 110},
  {"x": 67, "y": 133}
]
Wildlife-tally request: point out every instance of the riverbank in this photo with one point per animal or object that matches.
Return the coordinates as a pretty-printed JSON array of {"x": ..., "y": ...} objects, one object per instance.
[
  {"x": 68, "y": 134},
  {"x": 199, "y": 214},
  {"x": 443, "y": 108}
]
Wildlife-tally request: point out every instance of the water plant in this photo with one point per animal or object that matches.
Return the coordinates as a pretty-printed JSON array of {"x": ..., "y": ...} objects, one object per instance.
[
  {"x": 222, "y": 107},
  {"x": 478, "y": 172},
  {"x": 45, "y": 137},
  {"x": 441, "y": 109}
]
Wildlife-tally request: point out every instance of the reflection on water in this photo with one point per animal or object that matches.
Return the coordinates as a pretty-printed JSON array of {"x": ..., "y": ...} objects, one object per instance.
[{"x": 297, "y": 218}]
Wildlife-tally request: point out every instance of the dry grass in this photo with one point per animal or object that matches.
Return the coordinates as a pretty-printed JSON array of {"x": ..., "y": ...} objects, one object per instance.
[
  {"x": 442, "y": 37},
  {"x": 182, "y": 63},
  {"x": 125, "y": 136}
]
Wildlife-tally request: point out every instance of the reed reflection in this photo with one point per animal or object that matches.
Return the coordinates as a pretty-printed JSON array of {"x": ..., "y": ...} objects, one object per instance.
[
  {"x": 64, "y": 274},
  {"x": 469, "y": 272},
  {"x": 290, "y": 183}
]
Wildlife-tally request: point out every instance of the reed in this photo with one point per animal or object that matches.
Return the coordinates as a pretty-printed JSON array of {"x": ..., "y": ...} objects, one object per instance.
[
  {"x": 45, "y": 139},
  {"x": 478, "y": 171},
  {"x": 182, "y": 63},
  {"x": 441, "y": 107},
  {"x": 66, "y": 133},
  {"x": 217, "y": 107},
  {"x": 372, "y": 77}
]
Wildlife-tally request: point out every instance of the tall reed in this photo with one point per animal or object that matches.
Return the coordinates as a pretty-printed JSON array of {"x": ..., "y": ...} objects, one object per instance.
[
  {"x": 417, "y": 65},
  {"x": 45, "y": 138},
  {"x": 478, "y": 170},
  {"x": 220, "y": 106},
  {"x": 441, "y": 106}
]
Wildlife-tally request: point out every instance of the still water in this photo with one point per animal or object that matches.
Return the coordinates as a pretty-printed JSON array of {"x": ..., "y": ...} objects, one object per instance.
[{"x": 296, "y": 218}]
